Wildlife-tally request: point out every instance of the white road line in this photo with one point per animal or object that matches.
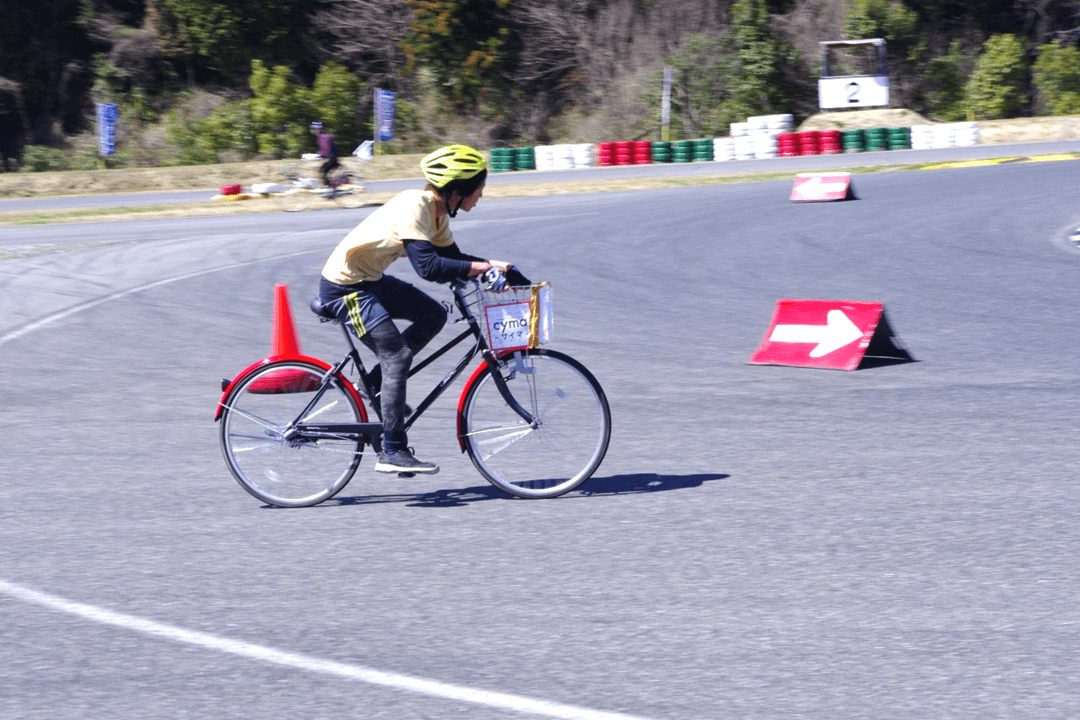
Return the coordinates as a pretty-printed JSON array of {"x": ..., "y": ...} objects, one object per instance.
[{"x": 307, "y": 662}]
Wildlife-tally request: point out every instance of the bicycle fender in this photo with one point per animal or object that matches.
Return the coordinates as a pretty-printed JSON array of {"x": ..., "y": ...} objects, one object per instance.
[
  {"x": 461, "y": 404},
  {"x": 266, "y": 360}
]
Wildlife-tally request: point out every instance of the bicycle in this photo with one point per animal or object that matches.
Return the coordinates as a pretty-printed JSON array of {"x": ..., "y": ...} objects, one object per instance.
[
  {"x": 534, "y": 421},
  {"x": 298, "y": 191}
]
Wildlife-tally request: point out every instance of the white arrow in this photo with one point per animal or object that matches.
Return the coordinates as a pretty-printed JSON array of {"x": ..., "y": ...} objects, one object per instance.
[
  {"x": 837, "y": 332},
  {"x": 815, "y": 188}
]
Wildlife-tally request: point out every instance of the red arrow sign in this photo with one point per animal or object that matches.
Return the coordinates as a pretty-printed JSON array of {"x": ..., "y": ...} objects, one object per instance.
[
  {"x": 821, "y": 334},
  {"x": 818, "y": 187}
]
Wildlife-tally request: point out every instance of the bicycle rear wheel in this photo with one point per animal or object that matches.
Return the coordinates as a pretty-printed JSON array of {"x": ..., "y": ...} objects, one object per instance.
[
  {"x": 288, "y": 473},
  {"x": 293, "y": 199},
  {"x": 349, "y": 195},
  {"x": 565, "y": 445}
]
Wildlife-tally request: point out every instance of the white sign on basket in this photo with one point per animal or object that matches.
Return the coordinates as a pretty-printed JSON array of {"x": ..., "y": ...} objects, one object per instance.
[{"x": 508, "y": 325}]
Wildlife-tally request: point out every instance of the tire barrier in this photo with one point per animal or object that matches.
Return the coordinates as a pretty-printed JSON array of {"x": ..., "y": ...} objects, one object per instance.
[
  {"x": 582, "y": 154},
  {"x": 853, "y": 141},
  {"x": 759, "y": 137},
  {"x": 745, "y": 147},
  {"x": 545, "y": 158},
  {"x": 502, "y": 159},
  {"x": 701, "y": 150},
  {"x": 807, "y": 142},
  {"x": 899, "y": 138},
  {"x": 642, "y": 152},
  {"x": 661, "y": 151},
  {"x": 605, "y": 153},
  {"x": 552, "y": 157},
  {"x": 525, "y": 158},
  {"x": 829, "y": 142},
  {"x": 944, "y": 135},
  {"x": 723, "y": 149}
]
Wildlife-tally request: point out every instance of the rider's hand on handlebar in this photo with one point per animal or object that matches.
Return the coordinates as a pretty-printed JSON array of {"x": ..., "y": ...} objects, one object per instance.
[
  {"x": 495, "y": 279},
  {"x": 515, "y": 278}
]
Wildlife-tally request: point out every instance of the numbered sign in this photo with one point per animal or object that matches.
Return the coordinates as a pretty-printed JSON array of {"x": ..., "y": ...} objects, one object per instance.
[{"x": 851, "y": 91}]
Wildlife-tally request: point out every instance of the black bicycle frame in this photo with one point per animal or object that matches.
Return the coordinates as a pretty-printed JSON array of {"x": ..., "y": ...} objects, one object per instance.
[{"x": 371, "y": 432}]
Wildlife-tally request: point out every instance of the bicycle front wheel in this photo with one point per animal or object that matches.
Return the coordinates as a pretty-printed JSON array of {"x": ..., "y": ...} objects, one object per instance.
[
  {"x": 279, "y": 471},
  {"x": 565, "y": 444},
  {"x": 293, "y": 199},
  {"x": 349, "y": 195}
]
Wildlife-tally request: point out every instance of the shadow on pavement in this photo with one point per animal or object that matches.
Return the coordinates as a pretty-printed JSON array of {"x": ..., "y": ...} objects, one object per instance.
[{"x": 593, "y": 487}]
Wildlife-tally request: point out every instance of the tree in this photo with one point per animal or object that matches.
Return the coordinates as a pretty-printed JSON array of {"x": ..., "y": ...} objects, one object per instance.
[
  {"x": 724, "y": 78},
  {"x": 757, "y": 86},
  {"x": 366, "y": 36},
  {"x": 461, "y": 43},
  {"x": 1057, "y": 77},
  {"x": 996, "y": 88},
  {"x": 225, "y": 37},
  {"x": 899, "y": 26},
  {"x": 945, "y": 77}
]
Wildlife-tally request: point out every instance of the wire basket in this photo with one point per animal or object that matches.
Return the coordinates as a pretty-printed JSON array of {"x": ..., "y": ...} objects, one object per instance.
[{"x": 515, "y": 319}]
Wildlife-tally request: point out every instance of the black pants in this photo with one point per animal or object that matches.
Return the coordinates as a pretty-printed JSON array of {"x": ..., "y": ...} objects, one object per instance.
[
  {"x": 369, "y": 309},
  {"x": 327, "y": 167}
]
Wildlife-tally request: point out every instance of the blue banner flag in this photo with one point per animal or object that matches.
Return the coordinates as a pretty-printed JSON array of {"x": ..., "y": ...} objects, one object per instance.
[
  {"x": 107, "y": 115},
  {"x": 384, "y": 115}
]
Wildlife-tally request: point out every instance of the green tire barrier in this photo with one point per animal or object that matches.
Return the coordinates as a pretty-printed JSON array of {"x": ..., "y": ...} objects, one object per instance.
[
  {"x": 877, "y": 139},
  {"x": 525, "y": 158},
  {"x": 661, "y": 151},
  {"x": 853, "y": 141},
  {"x": 682, "y": 151},
  {"x": 899, "y": 138},
  {"x": 502, "y": 159},
  {"x": 702, "y": 149}
]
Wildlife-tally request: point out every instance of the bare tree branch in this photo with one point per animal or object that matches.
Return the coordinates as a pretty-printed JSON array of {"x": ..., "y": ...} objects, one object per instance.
[{"x": 365, "y": 36}]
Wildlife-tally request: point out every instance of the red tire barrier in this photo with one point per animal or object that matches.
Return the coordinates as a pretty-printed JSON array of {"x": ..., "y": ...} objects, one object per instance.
[
  {"x": 642, "y": 152},
  {"x": 605, "y": 153}
]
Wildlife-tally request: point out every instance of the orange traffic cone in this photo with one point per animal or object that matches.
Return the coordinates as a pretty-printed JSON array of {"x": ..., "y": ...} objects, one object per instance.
[
  {"x": 284, "y": 346},
  {"x": 284, "y": 342}
]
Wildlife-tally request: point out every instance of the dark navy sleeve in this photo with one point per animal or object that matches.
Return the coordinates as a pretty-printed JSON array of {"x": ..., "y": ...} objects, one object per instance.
[{"x": 439, "y": 264}]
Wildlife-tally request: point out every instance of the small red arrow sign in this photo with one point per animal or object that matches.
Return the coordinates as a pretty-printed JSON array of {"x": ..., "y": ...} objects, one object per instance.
[{"x": 816, "y": 187}]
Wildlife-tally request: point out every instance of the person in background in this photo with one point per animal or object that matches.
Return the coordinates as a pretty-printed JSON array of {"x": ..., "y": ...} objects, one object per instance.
[{"x": 327, "y": 149}]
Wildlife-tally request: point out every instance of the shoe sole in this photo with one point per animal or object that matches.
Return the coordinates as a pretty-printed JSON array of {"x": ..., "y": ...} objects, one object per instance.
[{"x": 386, "y": 468}]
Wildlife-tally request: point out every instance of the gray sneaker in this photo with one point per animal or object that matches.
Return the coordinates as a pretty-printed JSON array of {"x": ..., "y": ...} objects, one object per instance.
[{"x": 403, "y": 461}]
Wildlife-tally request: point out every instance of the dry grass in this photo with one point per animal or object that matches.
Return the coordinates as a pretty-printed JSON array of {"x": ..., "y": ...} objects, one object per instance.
[{"x": 192, "y": 177}]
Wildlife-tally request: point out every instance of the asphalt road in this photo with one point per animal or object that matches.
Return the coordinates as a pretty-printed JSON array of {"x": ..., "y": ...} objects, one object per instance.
[{"x": 761, "y": 542}]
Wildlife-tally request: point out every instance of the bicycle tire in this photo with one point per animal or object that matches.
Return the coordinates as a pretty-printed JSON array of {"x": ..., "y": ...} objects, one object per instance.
[
  {"x": 281, "y": 472},
  {"x": 566, "y": 446},
  {"x": 293, "y": 199},
  {"x": 349, "y": 196}
]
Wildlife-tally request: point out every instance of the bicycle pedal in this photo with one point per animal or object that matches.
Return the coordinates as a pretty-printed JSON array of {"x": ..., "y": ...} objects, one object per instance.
[{"x": 406, "y": 475}]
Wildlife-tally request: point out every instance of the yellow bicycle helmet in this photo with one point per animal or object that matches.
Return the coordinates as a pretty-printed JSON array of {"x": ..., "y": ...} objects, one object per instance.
[{"x": 453, "y": 162}]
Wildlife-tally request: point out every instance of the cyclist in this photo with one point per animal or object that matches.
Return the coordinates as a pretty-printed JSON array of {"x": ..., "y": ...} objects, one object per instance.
[
  {"x": 327, "y": 149},
  {"x": 414, "y": 223}
]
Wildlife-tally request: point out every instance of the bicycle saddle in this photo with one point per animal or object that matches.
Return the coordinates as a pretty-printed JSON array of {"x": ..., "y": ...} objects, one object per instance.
[{"x": 321, "y": 310}]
